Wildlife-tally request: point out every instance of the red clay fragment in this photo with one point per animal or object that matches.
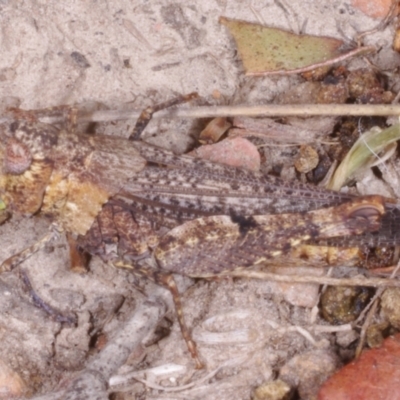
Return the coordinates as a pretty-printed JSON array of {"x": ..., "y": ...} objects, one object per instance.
[
  {"x": 236, "y": 152},
  {"x": 375, "y": 375},
  {"x": 375, "y": 9}
]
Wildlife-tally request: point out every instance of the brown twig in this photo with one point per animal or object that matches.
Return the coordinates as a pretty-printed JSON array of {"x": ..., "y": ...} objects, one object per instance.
[{"x": 265, "y": 110}]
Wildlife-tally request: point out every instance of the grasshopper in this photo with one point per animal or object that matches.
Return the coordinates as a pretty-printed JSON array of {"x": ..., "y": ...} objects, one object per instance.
[{"x": 110, "y": 193}]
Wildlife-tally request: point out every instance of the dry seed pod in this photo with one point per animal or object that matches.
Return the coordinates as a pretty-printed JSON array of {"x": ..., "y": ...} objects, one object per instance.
[
  {"x": 307, "y": 160},
  {"x": 275, "y": 390},
  {"x": 390, "y": 302},
  {"x": 396, "y": 40},
  {"x": 214, "y": 130}
]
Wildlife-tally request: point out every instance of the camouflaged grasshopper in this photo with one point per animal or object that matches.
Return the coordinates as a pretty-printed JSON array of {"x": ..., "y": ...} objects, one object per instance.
[{"x": 109, "y": 194}]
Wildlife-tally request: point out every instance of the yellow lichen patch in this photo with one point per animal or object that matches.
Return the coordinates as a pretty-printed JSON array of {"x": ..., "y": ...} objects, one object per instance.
[
  {"x": 84, "y": 202},
  {"x": 55, "y": 195},
  {"x": 313, "y": 255},
  {"x": 75, "y": 201}
]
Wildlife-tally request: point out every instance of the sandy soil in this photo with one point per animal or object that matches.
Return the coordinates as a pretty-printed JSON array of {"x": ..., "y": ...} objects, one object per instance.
[{"x": 141, "y": 52}]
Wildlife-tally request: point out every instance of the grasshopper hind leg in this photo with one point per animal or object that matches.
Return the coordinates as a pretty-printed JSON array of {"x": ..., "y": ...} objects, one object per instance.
[
  {"x": 167, "y": 280},
  {"x": 10, "y": 263}
]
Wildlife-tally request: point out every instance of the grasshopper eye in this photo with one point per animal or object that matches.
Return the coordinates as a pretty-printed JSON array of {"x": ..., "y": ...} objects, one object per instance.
[{"x": 17, "y": 157}]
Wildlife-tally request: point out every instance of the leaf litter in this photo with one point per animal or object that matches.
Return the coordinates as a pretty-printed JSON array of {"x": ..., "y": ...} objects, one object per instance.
[{"x": 223, "y": 298}]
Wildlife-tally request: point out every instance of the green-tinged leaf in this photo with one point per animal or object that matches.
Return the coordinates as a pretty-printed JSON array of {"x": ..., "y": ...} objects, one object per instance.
[
  {"x": 265, "y": 50},
  {"x": 364, "y": 153},
  {"x": 4, "y": 214}
]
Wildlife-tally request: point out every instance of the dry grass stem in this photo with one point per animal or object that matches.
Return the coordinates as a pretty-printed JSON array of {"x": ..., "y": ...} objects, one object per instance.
[{"x": 322, "y": 280}]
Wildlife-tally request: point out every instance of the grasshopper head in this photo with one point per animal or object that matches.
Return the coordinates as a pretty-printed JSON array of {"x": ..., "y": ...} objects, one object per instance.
[{"x": 25, "y": 166}]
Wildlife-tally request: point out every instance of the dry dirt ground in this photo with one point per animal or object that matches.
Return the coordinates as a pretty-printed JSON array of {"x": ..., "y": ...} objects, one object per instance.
[{"x": 142, "y": 52}]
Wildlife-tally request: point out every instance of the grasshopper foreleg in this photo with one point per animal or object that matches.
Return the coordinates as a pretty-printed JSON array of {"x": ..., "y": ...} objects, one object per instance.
[{"x": 20, "y": 257}]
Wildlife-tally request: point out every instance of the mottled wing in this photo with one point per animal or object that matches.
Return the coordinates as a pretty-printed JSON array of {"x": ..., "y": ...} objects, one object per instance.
[
  {"x": 172, "y": 189},
  {"x": 185, "y": 187}
]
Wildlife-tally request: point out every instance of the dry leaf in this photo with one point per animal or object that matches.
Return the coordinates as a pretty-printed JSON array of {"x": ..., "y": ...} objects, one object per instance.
[
  {"x": 214, "y": 130},
  {"x": 364, "y": 154},
  {"x": 266, "y": 50}
]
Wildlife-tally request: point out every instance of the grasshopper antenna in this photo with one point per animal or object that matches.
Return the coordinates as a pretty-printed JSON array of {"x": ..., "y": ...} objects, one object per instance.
[{"x": 146, "y": 115}]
